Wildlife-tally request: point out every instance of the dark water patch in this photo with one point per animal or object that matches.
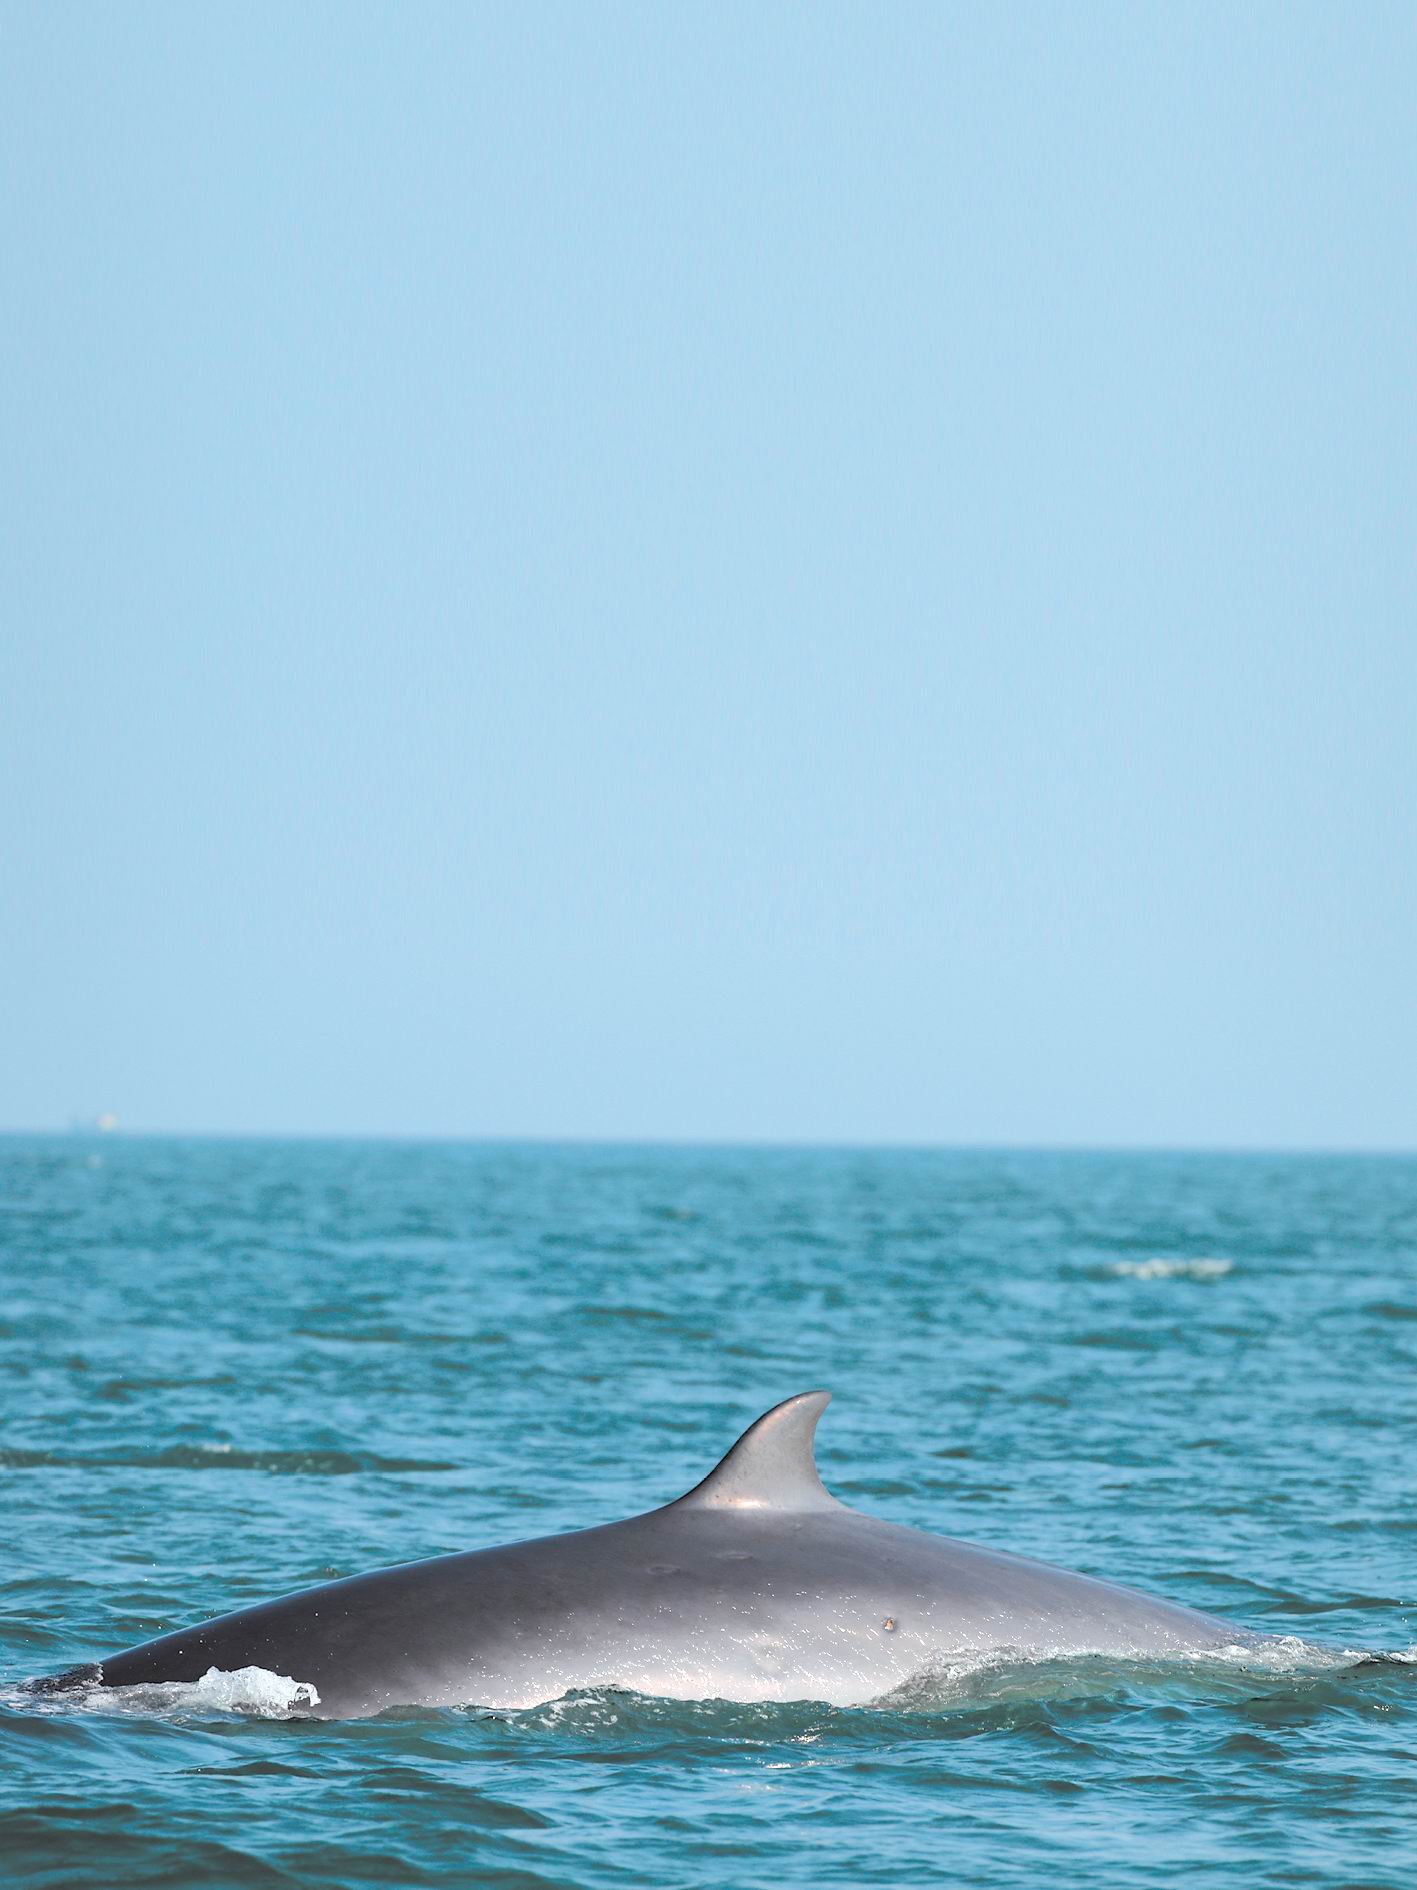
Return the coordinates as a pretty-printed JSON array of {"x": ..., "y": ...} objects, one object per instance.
[
  {"x": 120, "y": 1390},
  {"x": 613, "y": 1315},
  {"x": 305, "y": 1463},
  {"x": 1349, "y": 1604},
  {"x": 256, "y": 1768},
  {"x": 1122, "y": 1339},
  {"x": 396, "y": 1335},
  {"x": 878, "y": 1488}
]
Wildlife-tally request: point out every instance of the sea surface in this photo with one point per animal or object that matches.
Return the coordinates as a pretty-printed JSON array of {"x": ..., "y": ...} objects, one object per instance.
[{"x": 231, "y": 1369}]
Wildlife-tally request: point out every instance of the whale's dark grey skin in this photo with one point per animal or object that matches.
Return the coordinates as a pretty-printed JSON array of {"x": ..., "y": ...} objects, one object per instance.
[{"x": 757, "y": 1585}]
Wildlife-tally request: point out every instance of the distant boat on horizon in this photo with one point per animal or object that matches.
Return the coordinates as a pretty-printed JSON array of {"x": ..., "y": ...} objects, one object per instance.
[{"x": 105, "y": 1123}]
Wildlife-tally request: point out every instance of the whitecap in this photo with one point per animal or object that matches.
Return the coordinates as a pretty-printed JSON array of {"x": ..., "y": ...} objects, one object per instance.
[{"x": 1162, "y": 1267}]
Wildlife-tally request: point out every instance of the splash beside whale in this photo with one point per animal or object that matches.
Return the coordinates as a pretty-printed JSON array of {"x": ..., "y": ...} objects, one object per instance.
[{"x": 756, "y": 1585}]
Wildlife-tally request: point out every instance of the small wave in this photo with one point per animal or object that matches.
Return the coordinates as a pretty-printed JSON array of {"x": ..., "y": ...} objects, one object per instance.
[
  {"x": 1003, "y": 1675},
  {"x": 247, "y": 1692},
  {"x": 1161, "y": 1267},
  {"x": 301, "y": 1463},
  {"x": 1011, "y": 1681}
]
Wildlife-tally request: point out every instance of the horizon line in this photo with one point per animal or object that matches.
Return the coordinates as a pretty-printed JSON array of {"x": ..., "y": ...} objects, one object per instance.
[{"x": 89, "y": 1131}]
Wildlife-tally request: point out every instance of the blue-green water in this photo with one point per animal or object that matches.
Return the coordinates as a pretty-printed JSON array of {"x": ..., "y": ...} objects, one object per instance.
[{"x": 233, "y": 1369}]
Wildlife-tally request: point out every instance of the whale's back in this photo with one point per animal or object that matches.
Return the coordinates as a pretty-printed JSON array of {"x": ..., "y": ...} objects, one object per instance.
[{"x": 757, "y": 1585}]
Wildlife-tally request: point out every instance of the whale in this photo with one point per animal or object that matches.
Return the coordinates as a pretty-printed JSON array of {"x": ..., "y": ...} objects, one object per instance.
[{"x": 757, "y": 1585}]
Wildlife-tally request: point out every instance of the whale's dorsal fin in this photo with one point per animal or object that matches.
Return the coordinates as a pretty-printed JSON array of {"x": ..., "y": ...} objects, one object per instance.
[{"x": 771, "y": 1466}]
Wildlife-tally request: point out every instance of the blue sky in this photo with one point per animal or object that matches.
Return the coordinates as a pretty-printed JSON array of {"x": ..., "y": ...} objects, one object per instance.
[{"x": 797, "y": 572}]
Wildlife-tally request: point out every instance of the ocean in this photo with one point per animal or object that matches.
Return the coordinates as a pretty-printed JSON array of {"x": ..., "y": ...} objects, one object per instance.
[{"x": 235, "y": 1368}]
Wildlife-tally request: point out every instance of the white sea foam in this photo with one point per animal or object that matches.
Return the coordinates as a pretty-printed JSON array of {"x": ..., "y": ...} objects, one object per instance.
[
  {"x": 251, "y": 1692},
  {"x": 1161, "y": 1267},
  {"x": 254, "y": 1690}
]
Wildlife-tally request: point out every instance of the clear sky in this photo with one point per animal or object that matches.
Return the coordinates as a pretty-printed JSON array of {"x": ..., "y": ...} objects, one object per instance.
[{"x": 724, "y": 572}]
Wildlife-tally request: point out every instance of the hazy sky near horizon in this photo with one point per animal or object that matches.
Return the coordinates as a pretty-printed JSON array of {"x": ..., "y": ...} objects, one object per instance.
[{"x": 794, "y": 572}]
